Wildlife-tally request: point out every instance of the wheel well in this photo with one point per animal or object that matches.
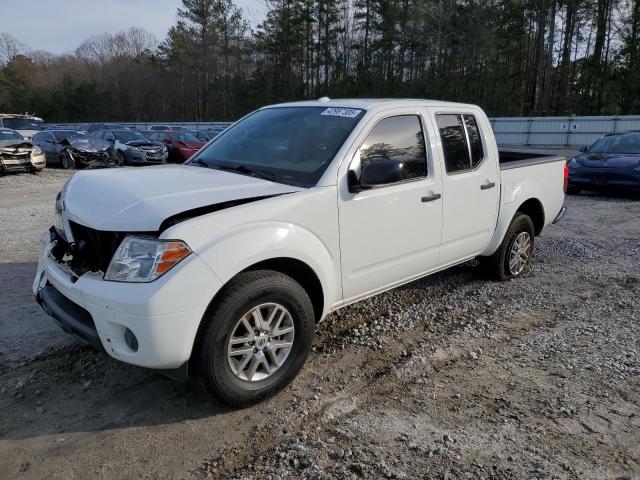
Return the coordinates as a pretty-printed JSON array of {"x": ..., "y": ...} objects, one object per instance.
[
  {"x": 296, "y": 269},
  {"x": 301, "y": 273},
  {"x": 534, "y": 209}
]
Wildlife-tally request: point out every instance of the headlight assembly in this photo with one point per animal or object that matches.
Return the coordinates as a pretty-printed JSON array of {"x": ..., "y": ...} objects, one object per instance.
[
  {"x": 573, "y": 163},
  {"x": 36, "y": 152},
  {"x": 143, "y": 259},
  {"x": 59, "y": 208}
]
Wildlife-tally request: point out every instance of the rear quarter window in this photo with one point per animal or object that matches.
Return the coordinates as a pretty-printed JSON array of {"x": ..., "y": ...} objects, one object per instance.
[{"x": 461, "y": 142}]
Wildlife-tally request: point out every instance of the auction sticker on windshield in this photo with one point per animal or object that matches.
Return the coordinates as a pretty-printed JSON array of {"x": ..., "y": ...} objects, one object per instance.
[{"x": 342, "y": 112}]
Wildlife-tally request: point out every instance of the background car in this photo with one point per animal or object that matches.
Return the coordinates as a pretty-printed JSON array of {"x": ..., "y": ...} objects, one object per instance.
[
  {"x": 612, "y": 162},
  {"x": 26, "y": 125},
  {"x": 94, "y": 127},
  {"x": 213, "y": 132},
  {"x": 181, "y": 145},
  {"x": 203, "y": 136},
  {"x": 18, "y": 154},
  {"x": 134, "y": 148},
  {"x": 73, "y": 149}
]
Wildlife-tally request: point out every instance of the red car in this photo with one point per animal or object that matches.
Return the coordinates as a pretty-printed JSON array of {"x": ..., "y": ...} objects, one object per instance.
[{"x": 181, "y": 145}]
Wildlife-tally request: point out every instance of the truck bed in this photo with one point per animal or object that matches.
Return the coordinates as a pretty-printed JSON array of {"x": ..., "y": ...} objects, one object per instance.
[{"x": 520, "y": 158}]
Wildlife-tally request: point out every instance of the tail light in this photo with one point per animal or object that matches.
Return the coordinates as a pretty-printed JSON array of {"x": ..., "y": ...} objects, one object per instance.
[{"x": 566, "y": 178}]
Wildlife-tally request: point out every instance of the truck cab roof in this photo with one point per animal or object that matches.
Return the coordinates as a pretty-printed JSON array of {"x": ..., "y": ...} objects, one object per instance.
[{"x": 372, "y": 103}]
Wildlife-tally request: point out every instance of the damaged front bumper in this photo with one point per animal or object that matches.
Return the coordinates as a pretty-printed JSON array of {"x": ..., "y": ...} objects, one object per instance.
[
  {"x": 20, "y": 162},
  {"x": 163, "y": 315}
]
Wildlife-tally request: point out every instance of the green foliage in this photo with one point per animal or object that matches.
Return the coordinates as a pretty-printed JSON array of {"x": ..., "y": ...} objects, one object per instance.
[{"x": 512, "y": 57}]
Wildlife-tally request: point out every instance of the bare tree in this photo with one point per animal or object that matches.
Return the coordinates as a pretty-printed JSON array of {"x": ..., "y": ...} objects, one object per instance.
[{"x": 9, "y": 48}]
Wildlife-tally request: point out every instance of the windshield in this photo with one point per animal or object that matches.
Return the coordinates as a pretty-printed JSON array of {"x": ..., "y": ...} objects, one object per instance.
[
  {"x": 624, "y": 144},
  {"x": 129, "y": 136},
  {"x": 9, "y": 135},
  {"x": 18, "y": 123},
  {"x": 62, "y": 134},
  {"x": 293, "y": 144}
]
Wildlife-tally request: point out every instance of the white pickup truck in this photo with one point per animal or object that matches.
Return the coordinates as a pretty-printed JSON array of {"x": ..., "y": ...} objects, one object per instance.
[{"x": 220, "y": 268}]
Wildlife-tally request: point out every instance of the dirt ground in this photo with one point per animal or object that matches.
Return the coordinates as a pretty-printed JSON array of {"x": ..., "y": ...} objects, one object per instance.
[{"x": 452, "y": 376}]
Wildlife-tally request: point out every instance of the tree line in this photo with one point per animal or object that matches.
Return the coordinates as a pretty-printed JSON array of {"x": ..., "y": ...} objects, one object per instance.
[{"x": 512, "y": 57}]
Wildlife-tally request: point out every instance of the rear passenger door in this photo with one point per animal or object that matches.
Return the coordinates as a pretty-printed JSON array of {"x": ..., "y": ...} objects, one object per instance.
[{"x": 470, "y": 183}]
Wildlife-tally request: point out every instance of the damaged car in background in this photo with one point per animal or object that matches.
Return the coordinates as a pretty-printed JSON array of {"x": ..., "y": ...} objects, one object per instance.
[
  {"x": 18, "y": 154},
  {"x": 73, "y": 149},
  {"x": 133, "y": 148}
]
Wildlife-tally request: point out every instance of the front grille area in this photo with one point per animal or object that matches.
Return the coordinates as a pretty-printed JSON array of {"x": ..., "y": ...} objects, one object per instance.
[
  {"x": 15, "y": 159},
  {"x": 89, "y": 156},
  {"x": 92, "y": 249},
  {"x": 152, "y": 152},
  {"x": 23, "y": 156}
]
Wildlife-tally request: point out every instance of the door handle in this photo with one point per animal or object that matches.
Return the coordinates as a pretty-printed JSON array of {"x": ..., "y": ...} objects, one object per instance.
[
  {"x": 431, "y": 198},
  {"x": 487, "y": 186}
]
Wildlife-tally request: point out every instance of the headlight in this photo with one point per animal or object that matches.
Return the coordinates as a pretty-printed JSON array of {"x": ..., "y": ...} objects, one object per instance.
[
  {"x": 143, "y": 259},
  {"x": 37, "y": 151},
  {"x": 573, "y": 163},
  {"x": 59, "y": 208}
]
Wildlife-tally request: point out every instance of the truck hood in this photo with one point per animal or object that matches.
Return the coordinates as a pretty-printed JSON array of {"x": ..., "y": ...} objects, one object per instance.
[{"x": 140, "y": 199}]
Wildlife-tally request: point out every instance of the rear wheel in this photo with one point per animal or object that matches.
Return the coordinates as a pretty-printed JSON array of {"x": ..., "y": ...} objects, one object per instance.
[
  {"x": 513, "y": 257},
  {"x": 257, "y": 337}
]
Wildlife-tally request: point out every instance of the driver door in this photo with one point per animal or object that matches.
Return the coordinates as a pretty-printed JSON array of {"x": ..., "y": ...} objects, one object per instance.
[{"x": 390, "y": 233}]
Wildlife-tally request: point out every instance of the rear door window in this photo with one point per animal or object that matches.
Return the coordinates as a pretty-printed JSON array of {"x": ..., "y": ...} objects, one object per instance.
[
  {"x": 39, "y": 138},
  {"x": 461, "y": 142},
  {"x": 475, "y": 142}
]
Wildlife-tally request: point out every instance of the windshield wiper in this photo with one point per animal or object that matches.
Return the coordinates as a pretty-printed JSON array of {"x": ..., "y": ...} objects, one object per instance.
[
  {"x": 197, "y": 161},
  {"x": 245, "y": 170}
]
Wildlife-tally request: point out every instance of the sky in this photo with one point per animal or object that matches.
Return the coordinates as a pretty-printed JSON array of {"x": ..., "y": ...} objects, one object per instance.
[{"x": 58, "y": 26}]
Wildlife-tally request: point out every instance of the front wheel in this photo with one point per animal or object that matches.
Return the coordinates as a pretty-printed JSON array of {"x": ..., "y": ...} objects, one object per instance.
[
  {"x": 257, "y": 337},
  {"x": 513, "y": 257},
  {"x": 66, "y": 160},
  {"x": 119, "y": 158}
]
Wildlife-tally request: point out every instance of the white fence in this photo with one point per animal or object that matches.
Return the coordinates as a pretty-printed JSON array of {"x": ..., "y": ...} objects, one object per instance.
[{"x": 559, "y": 131}]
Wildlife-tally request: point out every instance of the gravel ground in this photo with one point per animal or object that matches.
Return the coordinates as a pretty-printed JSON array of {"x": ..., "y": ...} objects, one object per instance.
[{"x": 452, "y": 376}]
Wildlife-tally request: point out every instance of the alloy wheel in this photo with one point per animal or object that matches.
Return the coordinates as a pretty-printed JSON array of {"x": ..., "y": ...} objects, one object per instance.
[
  {"x": 260, "y": 342},
  {"x": 519, "y": 253}
]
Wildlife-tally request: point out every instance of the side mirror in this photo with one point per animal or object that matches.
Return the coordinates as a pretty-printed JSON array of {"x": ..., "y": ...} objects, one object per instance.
[
  {"x": 379, "y": 172},
  {"x": 584, "y": 149}
]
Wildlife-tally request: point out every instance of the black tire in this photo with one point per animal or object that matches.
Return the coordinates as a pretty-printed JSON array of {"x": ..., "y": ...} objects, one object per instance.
[
  {"x": 248, "y": 290},
  {"x": 66, "y": 160},
  {"x": 119, "y": 159},
  {"x": 571, "y": 190},
  {"x": 496, "y": 266}
]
